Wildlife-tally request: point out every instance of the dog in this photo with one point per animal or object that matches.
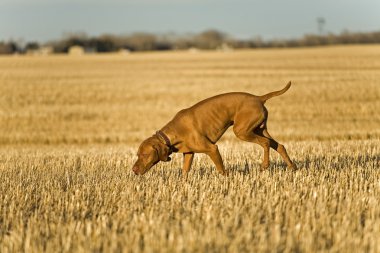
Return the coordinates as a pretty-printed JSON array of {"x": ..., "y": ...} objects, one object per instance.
[{"x": 197, "y": 129}]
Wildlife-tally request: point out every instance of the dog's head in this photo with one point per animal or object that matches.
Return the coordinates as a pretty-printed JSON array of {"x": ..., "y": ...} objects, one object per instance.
[{"x": 150, "y": 152}]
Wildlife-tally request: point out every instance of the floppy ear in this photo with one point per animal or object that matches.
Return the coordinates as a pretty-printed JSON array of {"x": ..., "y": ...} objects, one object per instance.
[{"x": 163, "y": 152}]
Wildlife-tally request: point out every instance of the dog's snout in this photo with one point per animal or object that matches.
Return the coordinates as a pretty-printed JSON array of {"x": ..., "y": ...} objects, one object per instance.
[{"x": 135, "y": 170}]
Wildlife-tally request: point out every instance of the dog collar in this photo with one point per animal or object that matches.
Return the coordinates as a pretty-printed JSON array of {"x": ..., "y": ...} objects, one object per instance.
[{"x": 161, "y": 134}]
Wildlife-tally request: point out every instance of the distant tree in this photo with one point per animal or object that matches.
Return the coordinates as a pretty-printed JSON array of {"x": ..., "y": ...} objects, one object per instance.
[
  {"x": 184, "y": 42},
  {"x": 69, "y": 40},
  {"x": 163, "y": 45},
  {"x": 75, "y": 41},
  {"x": 8, "y": 47},
  {"x": 32, "y": 46},
  {"x": 105, "y": 43},
  {"x": 141, "y": 41},
  {"x": 311, "y": 40},
  {"x": 210, "y": 39}
]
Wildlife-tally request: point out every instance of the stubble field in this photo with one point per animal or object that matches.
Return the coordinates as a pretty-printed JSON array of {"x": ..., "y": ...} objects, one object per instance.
[{"x": 70, "y": 128}]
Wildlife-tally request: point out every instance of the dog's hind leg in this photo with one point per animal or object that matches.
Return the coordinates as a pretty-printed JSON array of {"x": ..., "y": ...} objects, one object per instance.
[
  {"x": 244, "y": 130},
  {"x": 262, "y": 141},
  {"x": 279, "y": 148}
]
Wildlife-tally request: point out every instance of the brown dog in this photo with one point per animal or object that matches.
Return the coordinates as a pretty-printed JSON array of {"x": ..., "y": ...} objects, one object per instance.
[{"x": 198, "y": 128}]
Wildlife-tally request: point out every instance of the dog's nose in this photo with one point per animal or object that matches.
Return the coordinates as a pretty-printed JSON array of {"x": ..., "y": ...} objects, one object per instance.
[{"x": 135, "y": 170}]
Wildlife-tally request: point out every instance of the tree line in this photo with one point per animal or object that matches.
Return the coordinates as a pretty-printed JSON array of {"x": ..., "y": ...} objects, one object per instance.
[{"x": 210, "y": 39}]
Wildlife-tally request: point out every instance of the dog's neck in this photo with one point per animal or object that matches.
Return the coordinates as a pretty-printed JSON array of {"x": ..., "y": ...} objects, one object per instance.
[
  {"x": 171, "y": 135},
  {"x": 162, "y": 136}
]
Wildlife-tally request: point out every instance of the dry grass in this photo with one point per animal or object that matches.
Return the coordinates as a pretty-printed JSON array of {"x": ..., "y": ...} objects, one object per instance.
[{"x": 70, "y": 126}]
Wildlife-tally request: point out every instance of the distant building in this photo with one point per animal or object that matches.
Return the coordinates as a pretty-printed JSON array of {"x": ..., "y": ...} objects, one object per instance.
[
  {"x": 225, "y": 48},
  {"x": 124, "y": 51},
  {"x": 79, "y": 50},
  {"x": 76, "y": 50},
  {"x": 45, "y": 50},
  {"x": 193, "y": 50}
]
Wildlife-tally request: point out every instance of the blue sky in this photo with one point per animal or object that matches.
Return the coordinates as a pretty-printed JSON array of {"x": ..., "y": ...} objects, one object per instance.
[{"x": 43, "y": 20}]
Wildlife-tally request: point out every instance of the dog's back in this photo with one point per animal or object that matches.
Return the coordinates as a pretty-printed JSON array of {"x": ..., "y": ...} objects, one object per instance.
[{"x": 213, "y": 116}]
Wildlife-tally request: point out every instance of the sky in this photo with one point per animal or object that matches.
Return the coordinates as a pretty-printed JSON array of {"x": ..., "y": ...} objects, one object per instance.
[{"x": 44, "y": 20}]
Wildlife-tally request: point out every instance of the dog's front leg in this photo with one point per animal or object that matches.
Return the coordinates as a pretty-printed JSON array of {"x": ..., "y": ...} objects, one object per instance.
[
  {"x": 187, "y": 161},
  {"x": 217, "y": 159}
]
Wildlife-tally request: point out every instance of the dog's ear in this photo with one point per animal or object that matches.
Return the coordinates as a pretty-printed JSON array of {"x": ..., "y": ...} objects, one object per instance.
[{"x": 163, "y": 152}]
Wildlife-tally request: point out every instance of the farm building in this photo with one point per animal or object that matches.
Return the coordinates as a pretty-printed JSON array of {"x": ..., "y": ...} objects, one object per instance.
[
  {"x": 46, "y": 50},
  {"x": 79, "y": 50},
  {"x": 76, "y": 50},
  {"x": 124, "y": 51}
]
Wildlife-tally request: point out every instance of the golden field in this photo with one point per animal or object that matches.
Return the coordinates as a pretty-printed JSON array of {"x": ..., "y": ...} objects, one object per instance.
[{"x": 70, "y": 128}]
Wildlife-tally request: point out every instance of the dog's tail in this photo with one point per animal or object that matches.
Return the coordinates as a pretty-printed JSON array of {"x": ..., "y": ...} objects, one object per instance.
[{"x": 265, "y": 97}]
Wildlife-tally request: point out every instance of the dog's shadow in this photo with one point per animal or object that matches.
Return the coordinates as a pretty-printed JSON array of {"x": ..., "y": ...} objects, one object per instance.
[
  {"x": 336, "y": 162},
  {"x": 247, "y": 167},
  {"x": 311, "y": 162}
]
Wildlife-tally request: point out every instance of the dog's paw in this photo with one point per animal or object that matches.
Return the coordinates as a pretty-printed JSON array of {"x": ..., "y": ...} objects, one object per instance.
[
  {"x": 293, "y": 167},
  {"x": 224, "y": 173}
]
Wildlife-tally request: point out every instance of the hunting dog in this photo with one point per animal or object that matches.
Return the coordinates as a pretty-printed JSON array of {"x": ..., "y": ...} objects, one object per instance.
[{"x": 198, "y": 128}]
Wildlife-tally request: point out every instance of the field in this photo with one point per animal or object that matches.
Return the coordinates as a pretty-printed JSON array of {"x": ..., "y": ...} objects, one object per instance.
[{"x": 70, "y": 128}]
